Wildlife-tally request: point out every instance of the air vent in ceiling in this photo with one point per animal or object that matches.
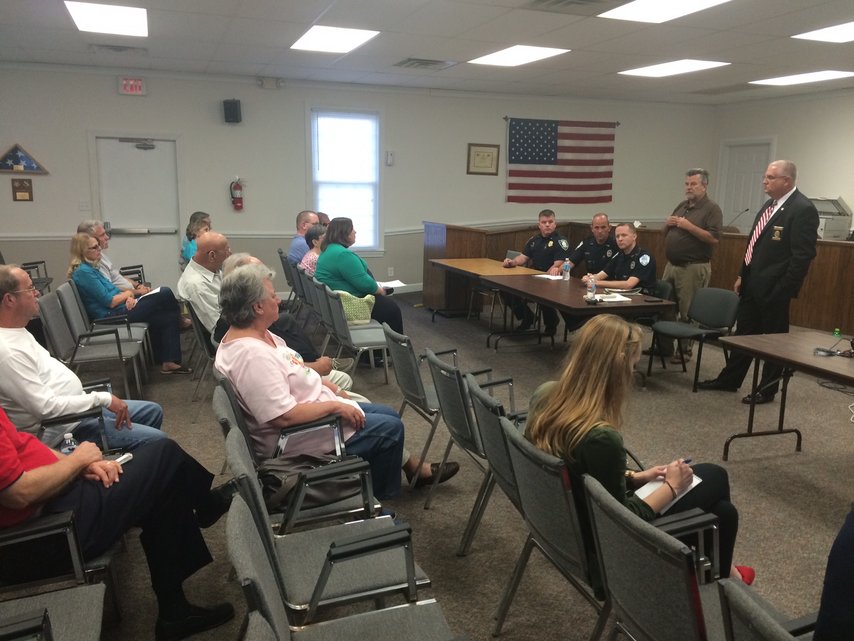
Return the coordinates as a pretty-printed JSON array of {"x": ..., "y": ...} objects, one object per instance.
[
  {"x": 423, "y": 63},
  {"x": 120, "y": 49},
  {"x": 574, "y": 7}
]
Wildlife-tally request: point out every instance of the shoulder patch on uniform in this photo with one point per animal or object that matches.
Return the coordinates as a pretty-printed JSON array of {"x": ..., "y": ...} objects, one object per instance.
[
  {"x": 564, "y": 245},
  {"x": 644, "y": 259}
]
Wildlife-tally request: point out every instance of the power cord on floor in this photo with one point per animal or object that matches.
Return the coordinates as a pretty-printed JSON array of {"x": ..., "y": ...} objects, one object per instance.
[{"x": 842, "y": 389}]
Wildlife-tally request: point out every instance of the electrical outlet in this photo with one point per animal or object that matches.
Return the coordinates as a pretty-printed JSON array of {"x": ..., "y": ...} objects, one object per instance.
[{"x": 390, "y": 272}]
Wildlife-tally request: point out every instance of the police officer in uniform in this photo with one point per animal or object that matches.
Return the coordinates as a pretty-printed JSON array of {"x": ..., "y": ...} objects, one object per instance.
[
  {"x": 546, "y": 253},
  {"x": 597, "y": 249},
  {"x": 632, "y": 266}
]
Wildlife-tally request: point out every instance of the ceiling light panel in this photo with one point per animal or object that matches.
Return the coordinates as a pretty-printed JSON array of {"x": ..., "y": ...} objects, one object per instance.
[
  {"x": 658, "y": 11},
  {"x": 803, "y": 78},
  {"x": 838, "y": 34},
  {"x": 517, "y": 55},
  {"x": 108, "y": 18},
  {"x": 333, "y": 39},
  {"x": 673, "y": 68}
]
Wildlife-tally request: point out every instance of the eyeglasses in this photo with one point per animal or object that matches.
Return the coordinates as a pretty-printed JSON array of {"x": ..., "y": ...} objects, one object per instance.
[{"x": 29, "y": 290}]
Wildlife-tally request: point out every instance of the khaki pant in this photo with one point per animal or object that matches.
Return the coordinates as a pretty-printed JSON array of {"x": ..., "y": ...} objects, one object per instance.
[{"x": 686, "y": 280}]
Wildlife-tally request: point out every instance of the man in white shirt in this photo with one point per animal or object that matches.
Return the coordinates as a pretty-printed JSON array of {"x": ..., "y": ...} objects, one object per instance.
[
  {"x": 34, "y": 386},
  {"x": 202, "y": 278}
]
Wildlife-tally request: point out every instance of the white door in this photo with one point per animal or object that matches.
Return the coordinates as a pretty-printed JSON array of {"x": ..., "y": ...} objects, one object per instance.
[
  {"x": 742, "y": 168},
  {"x": 138, "y": 196}
]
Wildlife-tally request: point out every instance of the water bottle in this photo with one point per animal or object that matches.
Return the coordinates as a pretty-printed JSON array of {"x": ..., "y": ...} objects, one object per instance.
[
  {"x": 591, "y": 287},
  {"x": 69, "y": 444},
  {"x": 565, "y": 269}
]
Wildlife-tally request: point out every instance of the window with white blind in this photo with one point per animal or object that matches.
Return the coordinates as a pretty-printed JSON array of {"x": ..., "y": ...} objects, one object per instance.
[{"x": 345, "y": 170}]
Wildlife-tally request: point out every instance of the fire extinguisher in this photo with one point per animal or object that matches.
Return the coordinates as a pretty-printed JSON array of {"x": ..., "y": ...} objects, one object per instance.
[{"x": 236, "y": 190}]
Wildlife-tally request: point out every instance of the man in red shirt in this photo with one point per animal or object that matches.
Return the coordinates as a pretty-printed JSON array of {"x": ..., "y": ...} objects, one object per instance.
[{"x": 163, "y": 490}]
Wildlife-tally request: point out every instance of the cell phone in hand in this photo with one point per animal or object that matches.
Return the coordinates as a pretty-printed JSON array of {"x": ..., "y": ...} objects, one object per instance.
[{"x": 124, "y": 458}]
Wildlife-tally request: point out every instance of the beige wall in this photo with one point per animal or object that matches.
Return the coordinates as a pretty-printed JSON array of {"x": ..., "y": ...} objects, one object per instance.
[
  {"x": 816, "y": 132},
  {"x": 54, "y": 112}
]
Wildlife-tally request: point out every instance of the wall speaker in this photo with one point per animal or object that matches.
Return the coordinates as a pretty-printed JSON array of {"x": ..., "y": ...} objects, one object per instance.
[{"x": 231, "y": 110}]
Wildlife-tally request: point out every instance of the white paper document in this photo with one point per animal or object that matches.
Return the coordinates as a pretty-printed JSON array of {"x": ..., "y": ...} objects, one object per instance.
[
  {"x": 548, "y": 276},
  {"x": 613, "y": 298},
  {"x": 645, "y": 490},
  {"x": 153, "y": 291},
  {"x": 391, "y": 283}
]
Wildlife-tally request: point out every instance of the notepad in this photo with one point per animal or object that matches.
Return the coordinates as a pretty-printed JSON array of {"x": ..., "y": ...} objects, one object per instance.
[
  {"x": 645, "y": 490},
  {"x": 613, "y": 298},
  {"x": 628, "y": 292}
]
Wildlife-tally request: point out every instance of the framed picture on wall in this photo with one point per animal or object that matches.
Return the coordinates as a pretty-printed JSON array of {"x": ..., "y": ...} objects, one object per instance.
[{"x": 482, "y": 159}]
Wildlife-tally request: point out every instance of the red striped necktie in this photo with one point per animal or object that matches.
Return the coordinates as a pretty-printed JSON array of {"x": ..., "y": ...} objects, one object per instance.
[{"x": 766, "y": 216}]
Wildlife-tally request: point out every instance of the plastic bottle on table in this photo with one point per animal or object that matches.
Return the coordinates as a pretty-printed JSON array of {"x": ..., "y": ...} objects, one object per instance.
[
  {"x": 591, "y": 287},
  {"x": 565, "y": 269}
]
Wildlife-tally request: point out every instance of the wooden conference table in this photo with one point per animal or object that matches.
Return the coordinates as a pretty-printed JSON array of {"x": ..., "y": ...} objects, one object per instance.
[
  {"x": 567, "y": 297},
  {"x": 563, "y": 296},
  {"x": 794, "y": 351},
  {"x": 473, "y": 269}
]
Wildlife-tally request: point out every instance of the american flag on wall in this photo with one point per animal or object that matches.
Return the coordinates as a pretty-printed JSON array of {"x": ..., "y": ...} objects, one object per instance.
[{"x": 560, "y": 161}]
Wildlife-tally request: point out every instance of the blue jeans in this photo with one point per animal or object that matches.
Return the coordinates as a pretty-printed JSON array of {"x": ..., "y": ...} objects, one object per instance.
[
  {"x": 380, "y": 443},
  {"x": 146, "y": 418},
  {"x": 161, "y": 312}
]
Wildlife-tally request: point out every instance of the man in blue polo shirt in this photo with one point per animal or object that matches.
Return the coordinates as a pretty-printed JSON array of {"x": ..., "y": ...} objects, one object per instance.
[
  {"x": 546, "y": 252},
  {"x": 631, "y": 267},
  {"x": 598, "y": 248}
]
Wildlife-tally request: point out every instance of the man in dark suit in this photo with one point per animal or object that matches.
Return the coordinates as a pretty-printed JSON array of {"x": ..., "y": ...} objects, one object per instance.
[{"x": 779, "y": 251}]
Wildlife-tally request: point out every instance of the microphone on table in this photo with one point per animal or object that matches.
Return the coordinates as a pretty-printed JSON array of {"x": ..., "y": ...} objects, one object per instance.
[{"x": 738, "y": 215}]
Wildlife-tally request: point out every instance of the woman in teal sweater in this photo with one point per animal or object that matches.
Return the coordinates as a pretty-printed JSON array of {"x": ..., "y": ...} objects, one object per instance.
[
  {"x": 102, "y": 299},
  {"x": 341, "y": 269},
  {"x": 577, "y": 418}
]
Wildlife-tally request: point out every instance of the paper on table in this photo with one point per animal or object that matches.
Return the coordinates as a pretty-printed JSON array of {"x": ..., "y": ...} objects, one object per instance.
[
  {"x": 613, "y": 298},
  {"x": 548, "y": 276},
  {"x": 391, "y": 283},
  {"x": 636, "y": 291},
  {"x": 645, "y": 490}
]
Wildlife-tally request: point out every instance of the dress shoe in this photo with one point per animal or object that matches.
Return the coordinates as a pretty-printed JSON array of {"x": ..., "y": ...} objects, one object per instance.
[
  {"x": 451, "y": 469},
  {"x": 760, "y": 398},
  {"x": 198, "y": 619},
  {"x": 216, "y": 504},
  {"x": 716, "y": 384},
  {"x": 748, "y": 574}
]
